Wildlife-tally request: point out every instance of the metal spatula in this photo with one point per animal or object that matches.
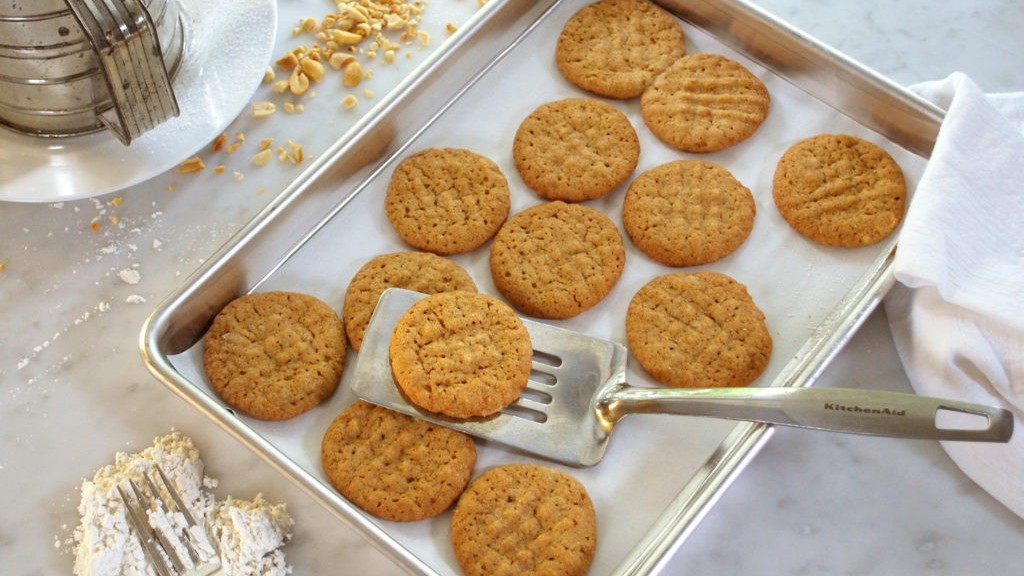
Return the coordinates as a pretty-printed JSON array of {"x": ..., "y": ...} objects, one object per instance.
[{"x": 578, "y": 392}]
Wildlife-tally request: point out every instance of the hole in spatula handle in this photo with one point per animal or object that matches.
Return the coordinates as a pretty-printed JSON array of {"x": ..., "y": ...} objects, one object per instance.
[{"x": 953, "y": 419}]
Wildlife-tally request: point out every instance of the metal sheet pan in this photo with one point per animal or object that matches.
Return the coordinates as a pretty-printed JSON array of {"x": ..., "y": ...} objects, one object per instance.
[{"x": 661, "y": 474}]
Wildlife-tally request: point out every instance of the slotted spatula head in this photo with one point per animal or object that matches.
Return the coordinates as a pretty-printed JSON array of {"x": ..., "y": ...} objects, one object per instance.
[
  {"x": 555, "y": 417},
  {"x": 578, "y": 391}
]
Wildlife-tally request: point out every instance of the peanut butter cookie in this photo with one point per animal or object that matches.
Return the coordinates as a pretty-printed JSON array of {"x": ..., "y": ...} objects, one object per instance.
[
  {"x": 461, "y": 354},
  {"x": 420, "y": 271},
  {"x": 557, "y": 260},
  {"x": 695, "y": 330},
  {"x": 705, "y": 103},
  {"x": 615, "y": 48},
  {"x": 524, "y": 519},
  {"x": 447, "y": 200},
  {"x": 575, "y": 149},
  {"x": 840, "y": 190},
  {"x": 394, "y": 466},
  {"x": 688, "y": 212},
  {"x": 275, "y": 355}
]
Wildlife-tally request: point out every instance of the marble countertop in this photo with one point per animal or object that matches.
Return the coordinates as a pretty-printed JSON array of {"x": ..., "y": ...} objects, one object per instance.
[{"x": 78, "y": 279}]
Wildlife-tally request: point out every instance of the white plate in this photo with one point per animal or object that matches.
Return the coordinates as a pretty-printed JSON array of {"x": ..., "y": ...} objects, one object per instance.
[{"x": 229, "y": 47}]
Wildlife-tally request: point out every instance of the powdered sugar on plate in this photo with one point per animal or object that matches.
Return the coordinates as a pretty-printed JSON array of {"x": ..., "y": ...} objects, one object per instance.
[{"x": 250, "y": 534}]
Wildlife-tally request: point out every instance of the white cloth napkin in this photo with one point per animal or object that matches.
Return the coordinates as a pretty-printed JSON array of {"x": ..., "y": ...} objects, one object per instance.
[{"x": 957, "y": 310}]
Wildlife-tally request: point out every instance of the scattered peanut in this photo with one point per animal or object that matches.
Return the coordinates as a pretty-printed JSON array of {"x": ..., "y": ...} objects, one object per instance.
[
  {"x": 219, "y": 141},
  {"x": 262, "y": 158},
  {"x": 353, "y": 75},
  {"x": 193, "y": 164},
  {"x": 356, "y": 13},
  {"x": 313, "y": 69},
  {"x": 280, "y": 87},
  {"x": 356, "y": 27},
  {"x": 294, "y": 152},
  {"x": 288, "y": 62},
  {"x": 262, "y": 109},
  {"x": 339, "y": 60},
  {"x": 394, "y": 22},
  {"x": 358, "y": 31},
  {"x": 298, "y": 83},
  {"x": 346, "y": 38}
]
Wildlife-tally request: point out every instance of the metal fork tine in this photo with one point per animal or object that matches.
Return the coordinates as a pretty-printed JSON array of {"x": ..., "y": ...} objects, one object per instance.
[
  {"x": 189, "y": 518},
  {"x": 146, "y": 502},
  {"x": 156, "y": 543},
  {"x": 174, "y": 496},
  {"x": 144, "y": 534}
]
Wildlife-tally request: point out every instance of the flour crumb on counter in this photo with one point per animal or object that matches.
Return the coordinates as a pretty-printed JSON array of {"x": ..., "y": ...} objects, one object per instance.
[
  {"x": 129, "y": 276},
  {"x": 251, "y": 534}
]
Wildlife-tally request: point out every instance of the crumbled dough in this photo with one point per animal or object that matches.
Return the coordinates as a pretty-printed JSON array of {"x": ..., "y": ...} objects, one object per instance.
[
  {"x": 250, "y": 535},
  {"x": 129, "y": 276}
]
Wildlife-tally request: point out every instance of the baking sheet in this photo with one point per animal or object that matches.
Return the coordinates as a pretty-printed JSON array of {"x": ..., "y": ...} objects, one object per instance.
[{"x": 658, "y": 471}]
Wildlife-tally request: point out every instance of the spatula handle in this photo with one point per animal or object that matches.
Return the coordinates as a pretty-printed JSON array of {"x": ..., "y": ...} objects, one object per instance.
[{"x": 872, "y": 412}]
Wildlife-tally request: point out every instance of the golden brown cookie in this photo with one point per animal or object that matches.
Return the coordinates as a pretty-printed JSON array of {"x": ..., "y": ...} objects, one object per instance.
[
  {"x": 705, "y": 103},
  {"x": 423, "y": 272},
  {"x": 696, "y": 330},
  {"x": 447, "y": 200},
  {"x": 688, "y": 212},
  {"x": 394, "y": 466},
  {"x": 524, "y": 519},
  {"x": 461, "y": 354},
  {"x": 615, "y": 48},
  {"x": 840, "y": 190},
  {"x": 575, "y": 149},
  {"x": 275, "y": 355},
  {"x": 557, "y": 260}
]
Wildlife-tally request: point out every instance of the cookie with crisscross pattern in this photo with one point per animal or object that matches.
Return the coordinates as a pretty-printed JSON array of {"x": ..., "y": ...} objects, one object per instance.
[
  {"x": 697, "y": 330},
  {"x": 524, "y": 519}
]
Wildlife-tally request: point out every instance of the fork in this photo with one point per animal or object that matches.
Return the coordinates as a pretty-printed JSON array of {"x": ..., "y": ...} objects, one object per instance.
[{"x": 161, "y": 551}]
